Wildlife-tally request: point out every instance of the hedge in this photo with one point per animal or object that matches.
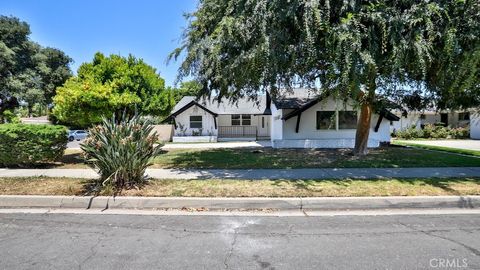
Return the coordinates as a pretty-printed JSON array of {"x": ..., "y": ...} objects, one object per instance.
[
  {"x": 433, "y": 132},
  {"x": 25, "y": 145}
]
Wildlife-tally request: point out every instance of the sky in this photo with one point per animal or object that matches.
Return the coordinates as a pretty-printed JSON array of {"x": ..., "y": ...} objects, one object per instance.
[{"x": 148, "y": 29}]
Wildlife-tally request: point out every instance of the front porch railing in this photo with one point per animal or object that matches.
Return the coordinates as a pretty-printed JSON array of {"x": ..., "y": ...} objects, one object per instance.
[{"x": 237, "y": 132}]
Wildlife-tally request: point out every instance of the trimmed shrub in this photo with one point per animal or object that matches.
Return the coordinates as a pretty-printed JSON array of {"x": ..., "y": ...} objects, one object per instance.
[
  {"x": 433, "y": 132},
  {"x": 25, "y": 145},
  {"x": 121, "y": 151}
]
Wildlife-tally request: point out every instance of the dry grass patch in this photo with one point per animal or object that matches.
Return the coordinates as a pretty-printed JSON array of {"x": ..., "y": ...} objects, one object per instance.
[
  {"x": 252, "y": 188},
  {"x": 41, "y": 186}
]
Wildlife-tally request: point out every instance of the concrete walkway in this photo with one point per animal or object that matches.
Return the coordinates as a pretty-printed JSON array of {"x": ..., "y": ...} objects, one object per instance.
[
  {"x": 258, "y": 174},
  {"x": 215, "y": 145}
]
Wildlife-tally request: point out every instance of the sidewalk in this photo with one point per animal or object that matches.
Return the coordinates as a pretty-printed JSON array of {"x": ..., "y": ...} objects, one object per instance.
[{"x": 258, "y": 174}]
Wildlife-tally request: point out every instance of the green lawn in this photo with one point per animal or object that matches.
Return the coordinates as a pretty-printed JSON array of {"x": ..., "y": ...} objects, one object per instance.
[
  {"x": 252, "y": 188},
  {"x": 386, "y": 157},
  {"x": 437, "y": 148}
]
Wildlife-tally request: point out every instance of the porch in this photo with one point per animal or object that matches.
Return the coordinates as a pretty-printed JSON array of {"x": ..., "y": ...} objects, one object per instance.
[{"x": 243, "y": 133}]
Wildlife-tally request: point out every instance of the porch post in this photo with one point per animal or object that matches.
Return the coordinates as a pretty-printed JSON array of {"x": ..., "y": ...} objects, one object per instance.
[{"x": 298, "y": 122}]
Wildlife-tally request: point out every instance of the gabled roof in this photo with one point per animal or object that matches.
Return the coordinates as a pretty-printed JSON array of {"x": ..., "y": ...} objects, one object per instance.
[
  {"x": 294, "y": 99},
  {"x": 302, "y": 99},
  {"x": 190, "y": 104},
  {"x": 241, "y": 106}
]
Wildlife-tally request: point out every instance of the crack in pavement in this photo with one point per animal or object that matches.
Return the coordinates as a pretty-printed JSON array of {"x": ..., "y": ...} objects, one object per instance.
[
  {"x": 93, "y": 250},
  {"x": 473, "y": 250},
  {"x": 242, "y": 233},
  {"x": 232, "y": 246}
]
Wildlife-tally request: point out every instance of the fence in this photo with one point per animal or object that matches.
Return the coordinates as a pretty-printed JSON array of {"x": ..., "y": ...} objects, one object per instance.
[{"x": 237, "y": 132}]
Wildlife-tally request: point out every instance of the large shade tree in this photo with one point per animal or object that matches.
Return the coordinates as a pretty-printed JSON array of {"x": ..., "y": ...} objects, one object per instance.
[
  {"x": 29, "y": 72},
  {"x": 350, "y": 49},
  {"x": 111, "y": 84}
]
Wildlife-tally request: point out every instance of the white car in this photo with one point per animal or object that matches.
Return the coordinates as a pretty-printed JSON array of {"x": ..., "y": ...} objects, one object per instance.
[{"x": 77, "y": 135}]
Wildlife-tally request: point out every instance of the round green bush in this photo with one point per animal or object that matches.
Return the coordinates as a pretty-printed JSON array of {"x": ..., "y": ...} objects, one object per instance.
[{"x": 25, "y": 145}]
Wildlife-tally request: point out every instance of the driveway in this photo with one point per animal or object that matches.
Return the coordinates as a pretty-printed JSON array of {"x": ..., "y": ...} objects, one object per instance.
[
  {"x": 74, "y": 144},
  {"x": 217, "y": 145},
  {"x": 460, "y": 144}
]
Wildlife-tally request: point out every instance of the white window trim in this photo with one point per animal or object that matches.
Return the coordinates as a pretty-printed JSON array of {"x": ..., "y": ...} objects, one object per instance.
[
  {"x": 190, "y": 122},
  {"x": 241, "y": 120}
]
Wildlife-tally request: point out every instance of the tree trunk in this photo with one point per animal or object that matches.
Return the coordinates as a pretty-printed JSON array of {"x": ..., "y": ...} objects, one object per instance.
[{"x": 363, "y": 130}]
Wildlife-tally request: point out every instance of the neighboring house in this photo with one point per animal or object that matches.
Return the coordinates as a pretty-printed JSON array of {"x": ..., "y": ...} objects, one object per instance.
[
  {"x": 475, "y": 125},
  {"x": 36, "y": 120},
  {"x": 295, "y": 120},
  {"x": 418, "y": 119},
  {"x": 208, "y": 120}
]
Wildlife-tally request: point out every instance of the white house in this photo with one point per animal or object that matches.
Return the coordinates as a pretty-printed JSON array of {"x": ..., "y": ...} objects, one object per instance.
[
  {"x": 298, "y": 119},
  {"x": 475, "y": 125},
  {"x": 419, "y": 118}
]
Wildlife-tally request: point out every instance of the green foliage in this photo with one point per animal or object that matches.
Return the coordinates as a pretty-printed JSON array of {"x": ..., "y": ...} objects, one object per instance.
[
  {"x": 28, "y": 71},
  {"x": 26, "y": 145},
  {"x": 10, "y": 117},
  {"x": 121, "y": 150},
  {"x": 110, "y": 85},
  {"x": 433, "y": 132},
  {"x": 237, "y": 47},
  {"x": 188, "y": 88}
]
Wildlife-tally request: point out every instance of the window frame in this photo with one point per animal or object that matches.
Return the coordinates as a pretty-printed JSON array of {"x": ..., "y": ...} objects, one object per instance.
[
  {"x": 246, "y": 117},
  {"x": 347, "y": 128},
  {"x": 335, "y": 121},
  {"x": 336, "y": 113},
  {"x": 196, "y": 121},
  {"x": 467, "y": 114},
  {"x": 241, "y": 118}
]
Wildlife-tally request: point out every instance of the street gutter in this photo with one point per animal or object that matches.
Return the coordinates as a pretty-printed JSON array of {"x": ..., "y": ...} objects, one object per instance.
[{"x": 247, "y": 204}]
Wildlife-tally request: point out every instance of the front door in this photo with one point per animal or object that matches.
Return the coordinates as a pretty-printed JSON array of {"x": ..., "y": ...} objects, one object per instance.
[{"x": 263, "y": 126}]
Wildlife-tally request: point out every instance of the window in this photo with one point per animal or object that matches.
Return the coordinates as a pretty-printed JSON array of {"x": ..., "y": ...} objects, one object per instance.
[
  {"x": 347, "y": 120},
  {"x": 326, "y": 120},
  {"x": 196, "y": 121},
  {"x": 465, "y": 116},
  {"x": 246, "y": 119},
  {"x": 241, "y": 120},
  {"x": 235, "y": 120}
]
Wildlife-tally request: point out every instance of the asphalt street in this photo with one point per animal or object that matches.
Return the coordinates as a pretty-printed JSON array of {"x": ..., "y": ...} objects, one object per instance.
[{"x": 79, "y": 241}]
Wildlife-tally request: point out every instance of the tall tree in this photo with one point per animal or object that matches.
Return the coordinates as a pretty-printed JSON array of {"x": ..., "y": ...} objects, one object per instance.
[
  {"x": 358, "y": 49},
  {"x": 28, "y": 71},
  {"x": 109, "y": 85},
  {"x": 187, "y": 88}
]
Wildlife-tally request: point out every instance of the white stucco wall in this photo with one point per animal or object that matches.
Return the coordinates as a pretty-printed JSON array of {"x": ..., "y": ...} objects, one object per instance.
[
  {"x": 475, "y": 125},
  {"x": 412, "y": 120},
  {"x": 276, "y": 123},
  {"x": 183, "y": 119},
  {"x": 309, "y": 137},
  {"x": 308, "y": 129}
]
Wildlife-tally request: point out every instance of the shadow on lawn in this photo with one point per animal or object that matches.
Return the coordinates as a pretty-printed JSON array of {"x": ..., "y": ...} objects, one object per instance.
[
  {"x": 252, "y": 158},
  {"x": 442, "y": 183}
]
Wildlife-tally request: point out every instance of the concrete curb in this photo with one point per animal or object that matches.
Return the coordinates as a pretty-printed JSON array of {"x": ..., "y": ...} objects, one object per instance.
[{"x": 322, "y": 203}]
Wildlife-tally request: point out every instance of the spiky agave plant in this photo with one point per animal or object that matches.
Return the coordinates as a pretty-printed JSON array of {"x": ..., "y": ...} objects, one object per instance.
[{"x": 121, "y": 150}]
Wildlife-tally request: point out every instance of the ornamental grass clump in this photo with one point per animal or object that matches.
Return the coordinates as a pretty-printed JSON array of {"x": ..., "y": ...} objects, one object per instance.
[{"x": 121, "y": 150}]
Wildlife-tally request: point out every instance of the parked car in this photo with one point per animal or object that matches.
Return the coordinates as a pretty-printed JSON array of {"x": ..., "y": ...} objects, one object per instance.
[{"x": 77, "y": 135}]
